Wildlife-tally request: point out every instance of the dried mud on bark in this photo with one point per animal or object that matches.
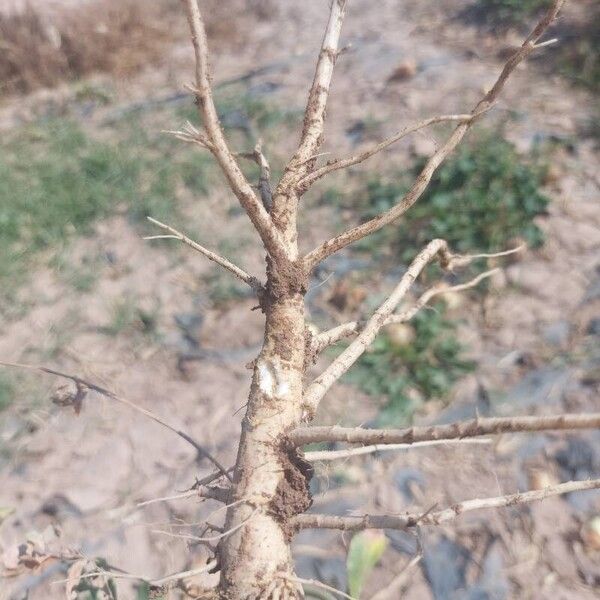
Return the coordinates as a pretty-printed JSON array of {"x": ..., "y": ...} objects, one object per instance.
[{"x": 293, "y": 495}]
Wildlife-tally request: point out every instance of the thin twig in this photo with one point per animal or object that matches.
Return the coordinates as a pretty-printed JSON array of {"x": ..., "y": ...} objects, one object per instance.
[
  {"x": 314, "y": 114},
  {"x": 338, "y": 333},
  {"x": 335, "y": 165},
  {"x": 264, "y": 179},
  {"x": 144, "y": 411},
  {"x": 316, "y": 583},
  {"x": 459, "y": 430},
  {"x": 252, "y": 281},
  {"x": 326, "y": 455},
  {"x": 210, "y": 493},
  {"x": 437, "y": 158},
  {"x": 193, "y": 135},
  {"x": 215, "y": 538},
  {"x": 406, "y": 521}
]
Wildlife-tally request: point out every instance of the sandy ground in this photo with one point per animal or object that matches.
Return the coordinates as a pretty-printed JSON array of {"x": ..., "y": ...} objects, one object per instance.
[{"x": 83, "y": 475}]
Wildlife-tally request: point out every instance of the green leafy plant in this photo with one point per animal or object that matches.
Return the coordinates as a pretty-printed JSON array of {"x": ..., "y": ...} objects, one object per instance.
[
  {"x": 426, "y": 366},
  {"x": 365, "y": 551},
  {"x": 479, "y": 201}
]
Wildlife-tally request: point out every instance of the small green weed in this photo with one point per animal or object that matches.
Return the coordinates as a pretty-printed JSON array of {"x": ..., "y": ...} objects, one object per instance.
[{"x": 427, "y": 367}]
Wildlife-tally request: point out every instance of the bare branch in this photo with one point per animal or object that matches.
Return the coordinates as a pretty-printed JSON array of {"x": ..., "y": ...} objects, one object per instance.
[
  {"x": 459, "y": 430},
  {"x": 314, "y": 115},
  {"x": 339, "y": 163},
  {"x": 237, "y": 181},
  {"x": 86, "y": 385},
  {"x": 438, "y": 157},
  {"x": 335, "y": 334},
  {"x": 318, "y": 388},
  {"x": 326, "y": 455},
  {"x": 406, "y": 521},
  {"x": 252, "y": 281}
]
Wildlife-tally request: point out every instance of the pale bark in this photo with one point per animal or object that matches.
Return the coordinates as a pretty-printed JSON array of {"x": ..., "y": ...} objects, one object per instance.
[
  {"x": 268, "y": 475},
  {"x": 460, "y": 430}
]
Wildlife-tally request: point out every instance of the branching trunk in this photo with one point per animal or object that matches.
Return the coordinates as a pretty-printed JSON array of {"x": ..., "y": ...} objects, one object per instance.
[{"x": 270, "y": 480}]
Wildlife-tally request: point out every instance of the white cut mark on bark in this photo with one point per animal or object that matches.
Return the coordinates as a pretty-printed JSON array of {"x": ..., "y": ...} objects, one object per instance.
[
  {"x": 266, "y": 380},
  {"x": 272, "y": 380}
]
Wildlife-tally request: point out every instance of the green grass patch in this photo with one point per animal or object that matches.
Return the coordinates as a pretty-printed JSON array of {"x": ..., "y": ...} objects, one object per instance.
[
  {"x": 406, "y": 373},
  {"x": 56, "y": 181}
]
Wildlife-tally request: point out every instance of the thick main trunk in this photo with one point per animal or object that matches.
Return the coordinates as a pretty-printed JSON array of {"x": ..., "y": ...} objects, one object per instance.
[{"x": 270, "y": 480}]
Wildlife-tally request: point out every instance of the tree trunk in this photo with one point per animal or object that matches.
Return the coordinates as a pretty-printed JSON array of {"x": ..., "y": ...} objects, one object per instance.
[{"x": 270, "y": 479}]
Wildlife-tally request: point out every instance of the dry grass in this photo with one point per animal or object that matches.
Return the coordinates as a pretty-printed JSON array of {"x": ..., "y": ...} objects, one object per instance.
[
  {"x": 109, "y": 36},
  {"x": 103, "y": 36}
]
